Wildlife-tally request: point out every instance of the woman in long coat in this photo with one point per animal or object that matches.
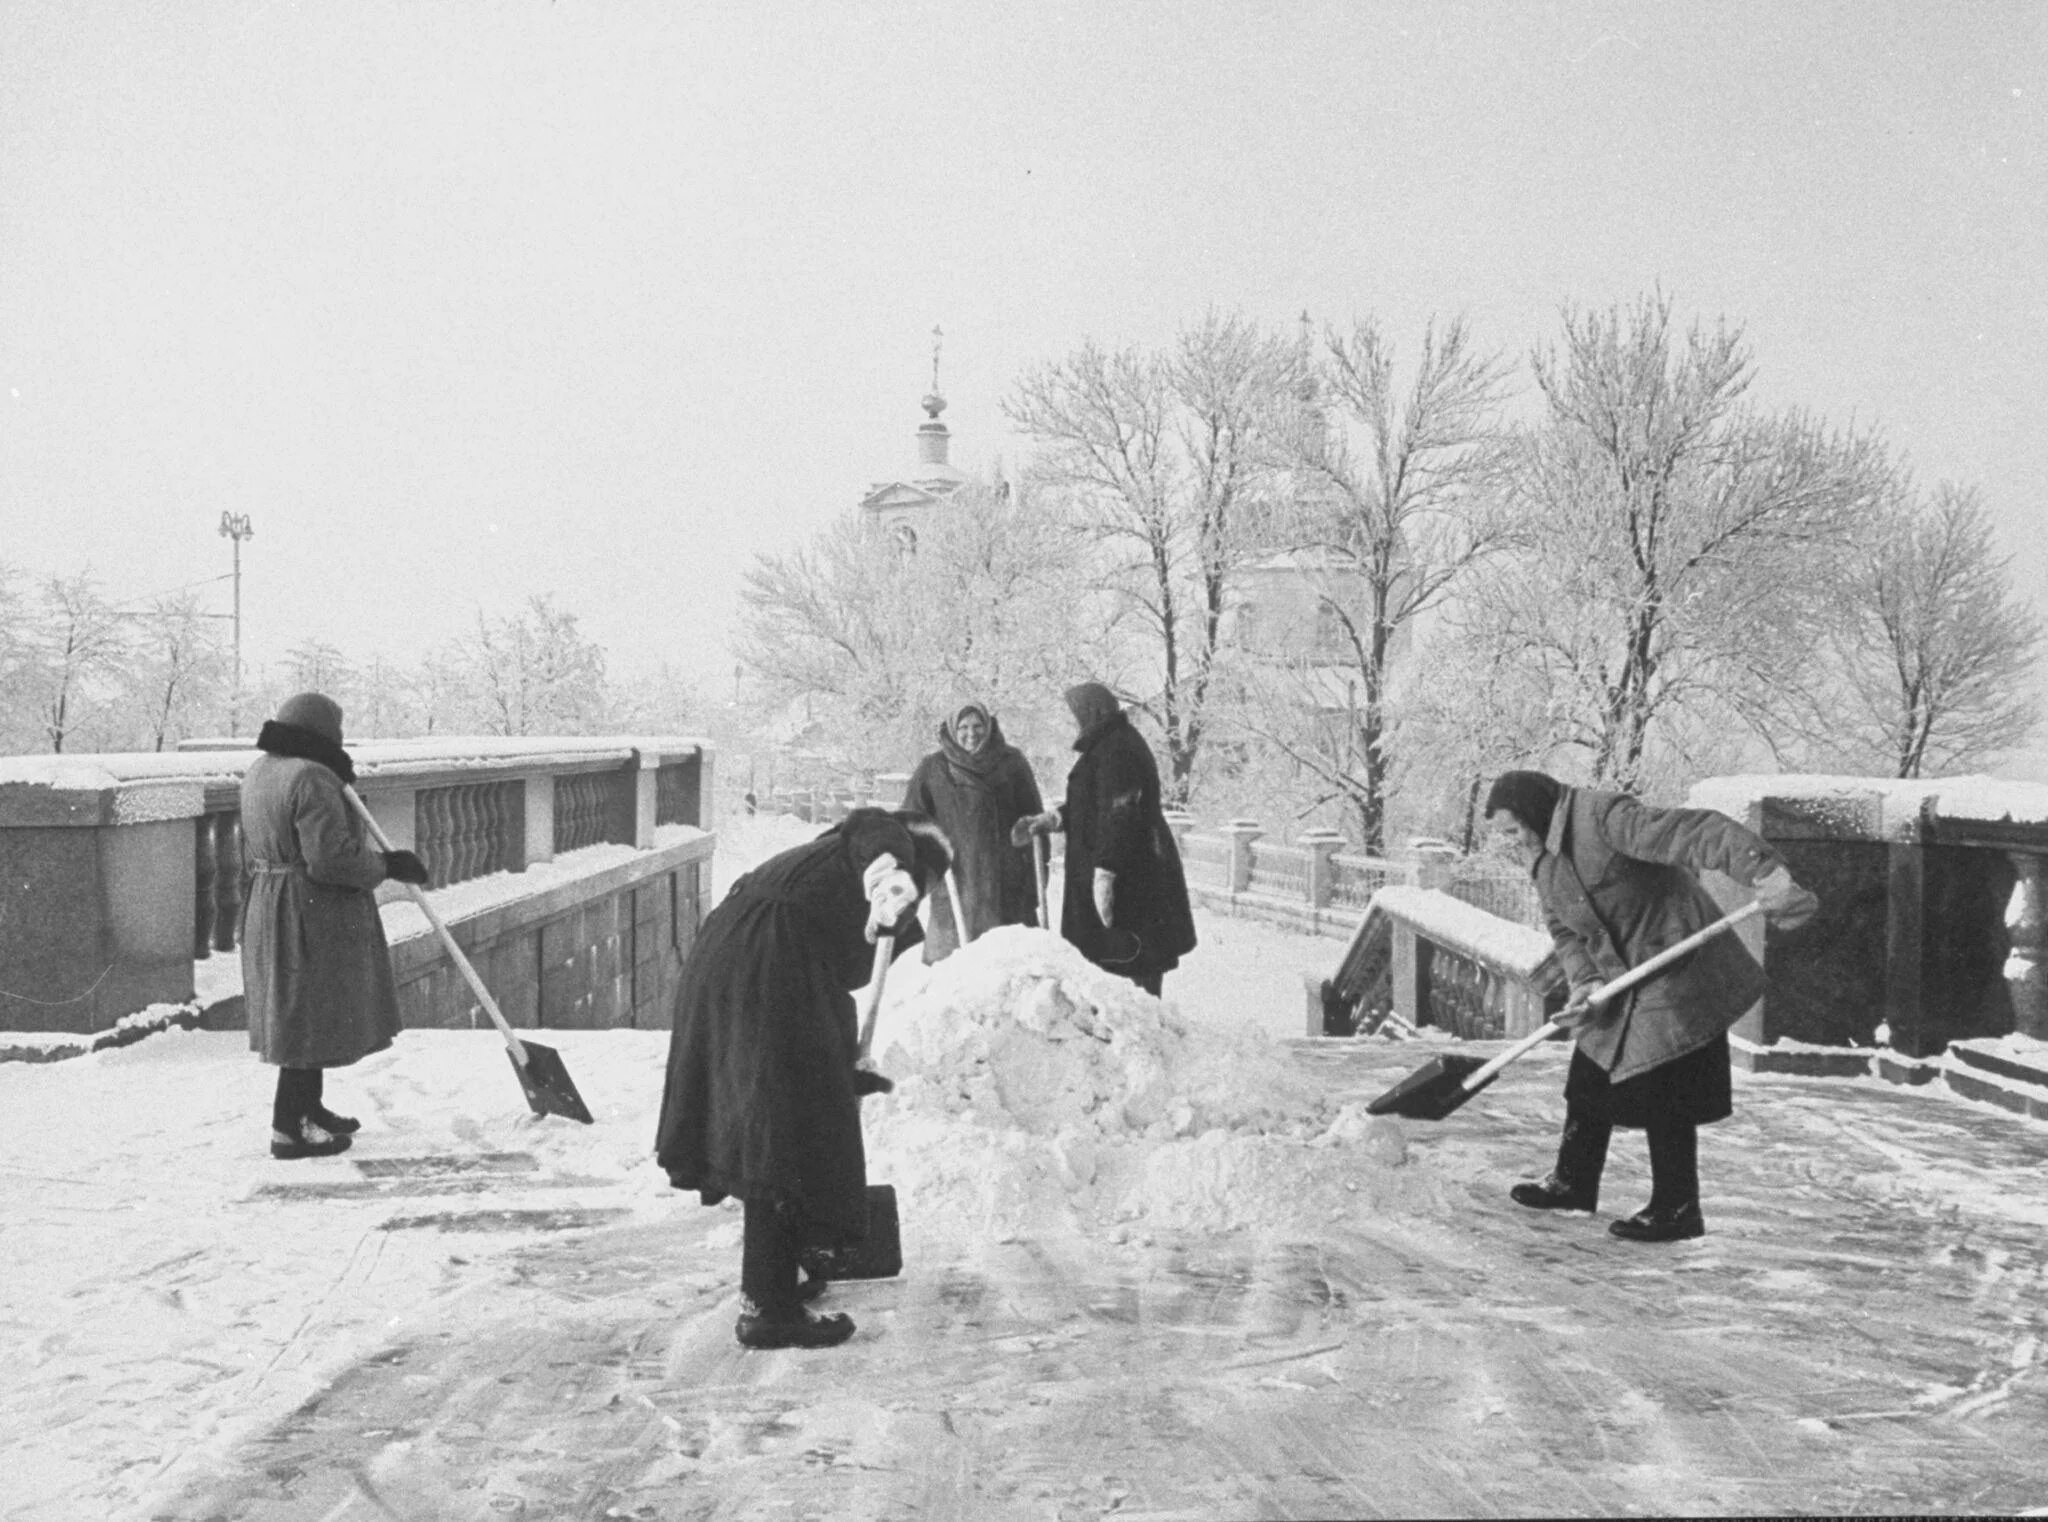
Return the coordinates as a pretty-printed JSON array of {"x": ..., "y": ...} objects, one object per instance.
[
  {"x": 762, "y": 1100},
  {"x": 976, "y": 786},
  {"x": 1617, "y": 881},
  {"x": 316, "y": 972},
  {"x": 1126, "y": 902}
]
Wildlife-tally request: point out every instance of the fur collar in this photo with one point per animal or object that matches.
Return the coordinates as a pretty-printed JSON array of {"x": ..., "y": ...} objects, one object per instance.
[{"x": 277, "y": 739}]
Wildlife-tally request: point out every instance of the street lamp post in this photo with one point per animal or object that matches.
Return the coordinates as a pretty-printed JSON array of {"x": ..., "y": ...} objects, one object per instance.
[{"x": 236, "y": 526}]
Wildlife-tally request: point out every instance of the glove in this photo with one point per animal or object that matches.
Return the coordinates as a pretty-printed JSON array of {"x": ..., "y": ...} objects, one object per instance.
[
  {"x": 1580, "y": 1010},
  {"x": 404, "y": 867},
  {"x": 1029, "y": 825},
  {"x": 1787, "y": 906},
  {"x": 867, "y": 1081},
  {"x": 1105, "y": 896},
  {"x": 892, "y": 893}
]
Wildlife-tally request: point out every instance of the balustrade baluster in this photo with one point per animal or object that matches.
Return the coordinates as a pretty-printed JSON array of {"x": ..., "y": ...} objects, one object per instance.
[
  {"x": 227, "y": 879},
  {"x": 202, "y": 886}
]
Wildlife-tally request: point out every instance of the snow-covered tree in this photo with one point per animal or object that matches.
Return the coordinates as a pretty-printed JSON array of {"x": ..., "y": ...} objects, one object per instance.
[
  {"x": 77, "y": 648},
  {"x": 1392, "y": 505},
  {"x": 534, "y": 673},
  {"x": 1934, "y": 656},
  {"x": 175, "y": 683},
  {"x": 1672, "y": 543},
  {"x": 1160, "y": 458}
]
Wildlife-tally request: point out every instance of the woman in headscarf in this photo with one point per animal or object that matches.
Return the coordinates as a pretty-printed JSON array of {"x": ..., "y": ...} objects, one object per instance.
[
  {"x": 976, "y": 786},
  {"x": 764, "y": 1085},
  {"x": 1126, "y": 903},
  {"x": 1618, "y": 884},
  {"x": 316, "y": 972}
]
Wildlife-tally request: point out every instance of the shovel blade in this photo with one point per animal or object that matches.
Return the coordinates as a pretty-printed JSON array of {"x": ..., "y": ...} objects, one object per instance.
[
  {"x": 549, "y": 1088},
  {"x": 878, "y": 1255},
  {"x": 1432, "y": 1091}
]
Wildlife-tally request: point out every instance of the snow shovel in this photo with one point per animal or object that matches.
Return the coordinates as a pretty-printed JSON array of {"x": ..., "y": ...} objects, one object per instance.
[
  {"x": 547, "y": 1084},
  {"x": 879, "y": 1254},
  {"x": 959, "y": 914},
  {"x": 1038, "y": 855},
  {"x": 1444, "y": 1083}
]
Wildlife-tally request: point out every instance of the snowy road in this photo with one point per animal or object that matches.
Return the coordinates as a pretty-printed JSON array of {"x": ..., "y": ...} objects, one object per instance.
[{"x": 1850, "y": 1337}]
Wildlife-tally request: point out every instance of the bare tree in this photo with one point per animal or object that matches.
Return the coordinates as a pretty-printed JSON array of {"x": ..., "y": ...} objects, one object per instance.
[
  {"x": 534, "y": 672},
  {"x": 179, "y": 672},
  {"x": 1392, "y": 507},
  {"x": 1672, "y": 543},
  {"x": 78, "y": 645},
  {"x": 1935, "y": 655},
  {"x": 1162, "y": 462},
  {"x": 873, "y": 643}
]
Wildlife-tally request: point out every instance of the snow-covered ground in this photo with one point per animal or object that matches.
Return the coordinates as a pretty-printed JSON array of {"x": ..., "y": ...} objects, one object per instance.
[{"x": 1159, "y": 1264}]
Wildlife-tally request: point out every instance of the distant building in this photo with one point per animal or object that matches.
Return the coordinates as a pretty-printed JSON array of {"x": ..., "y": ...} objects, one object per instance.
[{"x": 903, "y": 508}]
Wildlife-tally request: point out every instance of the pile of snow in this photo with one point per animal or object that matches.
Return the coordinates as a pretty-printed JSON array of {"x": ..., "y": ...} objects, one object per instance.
[{"x": 1037, "y": 1093}]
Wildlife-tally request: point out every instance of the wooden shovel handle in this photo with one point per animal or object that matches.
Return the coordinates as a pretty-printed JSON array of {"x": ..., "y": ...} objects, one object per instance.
[
  {"x": 1618, "y": 985},
  {"x": 885, "y": 952},
  {"x": 476, "y": 983},
  {"x": 1039, "y": 852}
]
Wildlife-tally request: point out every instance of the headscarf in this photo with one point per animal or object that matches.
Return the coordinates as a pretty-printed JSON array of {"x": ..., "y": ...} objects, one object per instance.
[
  {"x": 964, "y": 710},
  {"x": 1094, "y": 705},
  {"x": 1530, "y": 796}
]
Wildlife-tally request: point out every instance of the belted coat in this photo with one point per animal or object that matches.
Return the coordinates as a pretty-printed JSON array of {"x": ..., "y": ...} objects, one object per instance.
[
  {"x": 316, "y": 970},
  {"x": 975, "y": 796},
  {"x": 760, "y": 1100},
  {"x": 1618, "y": 885}
]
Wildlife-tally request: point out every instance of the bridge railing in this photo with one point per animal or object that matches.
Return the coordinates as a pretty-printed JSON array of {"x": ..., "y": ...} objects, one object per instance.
[{"x": 123, "y": 869}]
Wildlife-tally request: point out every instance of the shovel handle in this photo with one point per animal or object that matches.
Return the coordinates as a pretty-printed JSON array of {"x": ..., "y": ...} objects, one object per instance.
[
  {"x": 1608, "y": 990},
  {"x": 885, "y": 953},
  {"x": 959, "y": 911},
  {"x": 476, "y": 983},
  {"x": 1039, "y": 851}
]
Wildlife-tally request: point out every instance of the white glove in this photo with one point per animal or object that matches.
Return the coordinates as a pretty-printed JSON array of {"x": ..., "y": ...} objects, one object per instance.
[
  {"x": 1105, "y": 896},
  {"x": 892, "y": 893},
  {"x": 1786, "y": 904}
]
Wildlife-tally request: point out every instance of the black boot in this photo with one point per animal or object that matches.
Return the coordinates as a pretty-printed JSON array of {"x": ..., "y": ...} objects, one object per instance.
[
  {"x": 1574, "y": 1184},
  {"x": 340, "y": 1125},
  {"x": 1673, "y": 1214},
  {"x": 306, "y": 1138},
  {"x": 785, "y": 1327}
]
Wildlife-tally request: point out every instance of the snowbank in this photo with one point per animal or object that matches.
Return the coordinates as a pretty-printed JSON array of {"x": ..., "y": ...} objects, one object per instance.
[{"x": 1037, "y": 1093}]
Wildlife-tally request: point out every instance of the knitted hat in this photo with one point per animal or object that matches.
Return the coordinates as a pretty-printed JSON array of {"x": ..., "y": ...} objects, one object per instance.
[
  {"x": 1530, "y": 796},
  {"x": 313, "y": 711}
]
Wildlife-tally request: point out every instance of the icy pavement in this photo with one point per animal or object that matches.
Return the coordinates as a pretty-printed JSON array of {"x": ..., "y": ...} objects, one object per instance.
[{"x": 478, "y": 1314}]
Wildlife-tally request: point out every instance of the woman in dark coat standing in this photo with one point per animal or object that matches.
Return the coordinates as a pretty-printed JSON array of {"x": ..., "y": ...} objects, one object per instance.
[
  {"x": 763, "y": 1094},
  {"x": 1618, "y": 885},
  {"x": 316, "y": 972},
  {"x": 1126, "y": 904},
  {"x": 976, "y": 786}
]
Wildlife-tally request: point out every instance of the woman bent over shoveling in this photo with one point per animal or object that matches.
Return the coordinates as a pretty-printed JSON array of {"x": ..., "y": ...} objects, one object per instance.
[
  {"x": 763, "y": 1094},
  {"x": 1617, "y": 883}
]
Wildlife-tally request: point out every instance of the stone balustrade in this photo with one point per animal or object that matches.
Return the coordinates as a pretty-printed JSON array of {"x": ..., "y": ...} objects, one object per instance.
[{"x": 121, "y": 870}]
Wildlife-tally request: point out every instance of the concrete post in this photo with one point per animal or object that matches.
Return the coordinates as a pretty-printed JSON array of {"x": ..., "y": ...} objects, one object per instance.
[
  {"x": 1321, "y": 845},
  {"x": 2026, "y": 968},
  {"x": 1241, "y": 833},
  {"x": 646, "y": 798}
]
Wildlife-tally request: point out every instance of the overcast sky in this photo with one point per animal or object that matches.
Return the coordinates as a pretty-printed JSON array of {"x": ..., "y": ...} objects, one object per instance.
[{"x": 463, "y": 302}]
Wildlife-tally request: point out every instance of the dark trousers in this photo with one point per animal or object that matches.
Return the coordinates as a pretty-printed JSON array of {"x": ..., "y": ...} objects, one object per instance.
[
  {"x": 768, "y": 1259},
  {"x": 298, "y": 1098},
  {"x": 1674, "y": 1165}
]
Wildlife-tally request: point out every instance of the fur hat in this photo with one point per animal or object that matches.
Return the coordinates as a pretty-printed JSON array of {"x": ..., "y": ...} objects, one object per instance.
[{"x": 312, "y": 711}]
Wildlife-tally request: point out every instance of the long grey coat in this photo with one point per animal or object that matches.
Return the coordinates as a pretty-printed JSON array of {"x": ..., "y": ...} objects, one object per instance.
[
  {"x": 1617, "y": 884},
  {"x": 316, "y": 970}
]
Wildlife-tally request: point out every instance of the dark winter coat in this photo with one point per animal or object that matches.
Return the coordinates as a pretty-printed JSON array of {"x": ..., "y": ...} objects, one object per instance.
[
  {"x": 760, "y": 1100},
  {"x": 975, "y": 796},
  {"x": 1113, "y": 821},
  {"x": 316, "y": 970},
  {"x": 1618, "y": 885}
]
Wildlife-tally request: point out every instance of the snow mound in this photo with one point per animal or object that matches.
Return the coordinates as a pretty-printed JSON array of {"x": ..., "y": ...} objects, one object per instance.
[{"x": 1036, "y": 1092}]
